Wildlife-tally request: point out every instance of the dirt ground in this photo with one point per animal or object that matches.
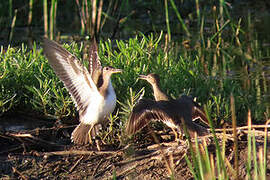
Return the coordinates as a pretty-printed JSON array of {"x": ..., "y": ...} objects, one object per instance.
[{"x": 49, "y": 154}]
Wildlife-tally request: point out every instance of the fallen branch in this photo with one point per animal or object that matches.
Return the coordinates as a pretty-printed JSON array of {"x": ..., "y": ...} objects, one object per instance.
[
  {"x": 30, "y": 136},
  {"x": 79, "y": 152},
  {"x": 244, "y": 128}
]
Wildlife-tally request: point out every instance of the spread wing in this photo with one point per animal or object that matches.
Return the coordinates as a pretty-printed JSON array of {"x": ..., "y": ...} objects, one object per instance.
[
  {"x": 146, "y": 111},
  {"x": 72, "y": 73},
  {"x": 173, "y": 113},
  {"x": 95, "y": 68},
  {"x": 197, "y": 110}
]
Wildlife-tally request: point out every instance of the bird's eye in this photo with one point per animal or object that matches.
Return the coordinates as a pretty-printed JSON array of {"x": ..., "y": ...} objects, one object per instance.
[{"x": 106, "y": 68}]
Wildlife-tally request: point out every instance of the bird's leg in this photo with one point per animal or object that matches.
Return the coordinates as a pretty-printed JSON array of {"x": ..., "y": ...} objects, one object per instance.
[
  {"x": 175, "y": 135},
  {"x": 181, "y": 134},
  {"x": 103, "y": 139},
  {"x": 90, "y": 135},
  {"x": 98, "y": 145}
]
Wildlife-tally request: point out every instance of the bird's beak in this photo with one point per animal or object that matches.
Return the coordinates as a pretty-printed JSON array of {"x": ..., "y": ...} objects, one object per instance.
[
  {"x": 142, "y": 77},
  {"x": 117, "y": 70}
]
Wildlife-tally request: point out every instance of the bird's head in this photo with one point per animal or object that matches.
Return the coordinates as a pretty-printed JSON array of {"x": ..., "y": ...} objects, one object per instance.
[
  {"x": 151, "y": 78},
  {"x": 108, "y": 71}
]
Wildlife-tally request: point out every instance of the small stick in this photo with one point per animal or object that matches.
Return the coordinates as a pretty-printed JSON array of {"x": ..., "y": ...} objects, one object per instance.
[
  {"x": 72, "y": 168},
  {"x": 139, "y": 158},
  {"x": 76, "y": 152},
  {"x": 27, "y": 135},
  {"x": 119, "y": 174},
  {"x": 66, "y": 153},
  {"x": 19, "y": 173},
  {"x": 95, "y": 171}
]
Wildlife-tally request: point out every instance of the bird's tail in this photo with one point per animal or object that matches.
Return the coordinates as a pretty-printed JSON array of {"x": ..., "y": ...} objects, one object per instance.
[
  {"x": 200, "y": 130},
  {"x": 198, "y": 112},
  {"x": 80, "y": 134}
]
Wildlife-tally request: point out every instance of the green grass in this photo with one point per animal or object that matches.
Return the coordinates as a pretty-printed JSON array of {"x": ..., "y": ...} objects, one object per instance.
[
  {"x": 208, "y": 164},
  {"x": 203, "y": 166},
  {"x": 217, "y": 56},
  {"x": 28, "y": 82}
]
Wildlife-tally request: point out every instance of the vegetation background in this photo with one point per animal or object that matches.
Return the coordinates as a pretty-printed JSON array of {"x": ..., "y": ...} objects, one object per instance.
[{"x": 208, "y": 49}]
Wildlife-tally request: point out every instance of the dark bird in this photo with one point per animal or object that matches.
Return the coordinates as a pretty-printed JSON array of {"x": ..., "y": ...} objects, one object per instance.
[
  {"x": 159, "y": 95},
  {"x": 92, "y": 92},
  {"x": 171, "y": 112}
]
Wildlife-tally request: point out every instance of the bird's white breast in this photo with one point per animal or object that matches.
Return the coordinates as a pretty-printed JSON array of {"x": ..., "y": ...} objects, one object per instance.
[
  {"x": 110, "y": 102},
  {"x": 100, "y": 107}
]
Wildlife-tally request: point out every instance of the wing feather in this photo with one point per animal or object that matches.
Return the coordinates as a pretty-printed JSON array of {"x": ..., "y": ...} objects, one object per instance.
[
  {"x": 197, "y": 110},
  {"x": 169, "y": 112},
  {"x": 146, "y": 111},
  {"x": 72, "y": 73},
  {"x": 95, "y": 67}
]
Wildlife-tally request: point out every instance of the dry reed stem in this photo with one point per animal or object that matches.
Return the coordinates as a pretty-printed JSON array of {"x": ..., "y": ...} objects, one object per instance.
[{"x": 77, "y": 162}]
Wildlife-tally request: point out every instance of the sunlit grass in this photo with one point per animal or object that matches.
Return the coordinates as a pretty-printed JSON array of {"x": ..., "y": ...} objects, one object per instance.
[
  {"x": 27, "y": 74},
  {"x": 206, "y": 164},
  {"x": 218, "y": 57}
]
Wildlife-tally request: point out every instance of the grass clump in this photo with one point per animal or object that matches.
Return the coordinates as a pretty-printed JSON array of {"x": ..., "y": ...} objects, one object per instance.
[
  {"x": 28, "y": 76},
  {"x": 218, "y": 164}
]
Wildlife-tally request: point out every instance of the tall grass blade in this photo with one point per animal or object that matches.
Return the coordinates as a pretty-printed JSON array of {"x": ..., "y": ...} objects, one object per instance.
[
  {"x": 93, "y": 20},
  {"x": 191, "y": 168},
  {"x": 99, "y": 15},
  {"x": 86, "y": 12},
  {"x": 82, "y": 17},
  {"x": 221, "y": 14},
  {"x": 261, "y": 164},
  {"x": 208, "y": 165},
  {"x": 30, "y": 13},
  {"x": 112, "y": 6},
  {"x": 249, "y": 147},
  {"x": 10, "y": 7},
  {"x": 12, "y": 25},
  {"x": 235, "y": 145},
  {"x": 220, "y": 160},
  {"x": 180, "y": 18},
  {"x": 199, "y": 158},
  {"x": 29, "y": 22},
  {"x": 195, "y": 161},
  {"x": 53, "y": 18},
  {"x": 254, "y": 154},
  {"x": 220, "y": 30},
  {"x": 45, "y": 16},
  {"x": 265, "y": 150},
  {"x": 167, "y": 21},
  {"x": 198, "y": 13}
]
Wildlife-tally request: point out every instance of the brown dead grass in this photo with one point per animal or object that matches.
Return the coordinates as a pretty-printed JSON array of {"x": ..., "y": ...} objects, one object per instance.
[{"x": 35, "y": 155}]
